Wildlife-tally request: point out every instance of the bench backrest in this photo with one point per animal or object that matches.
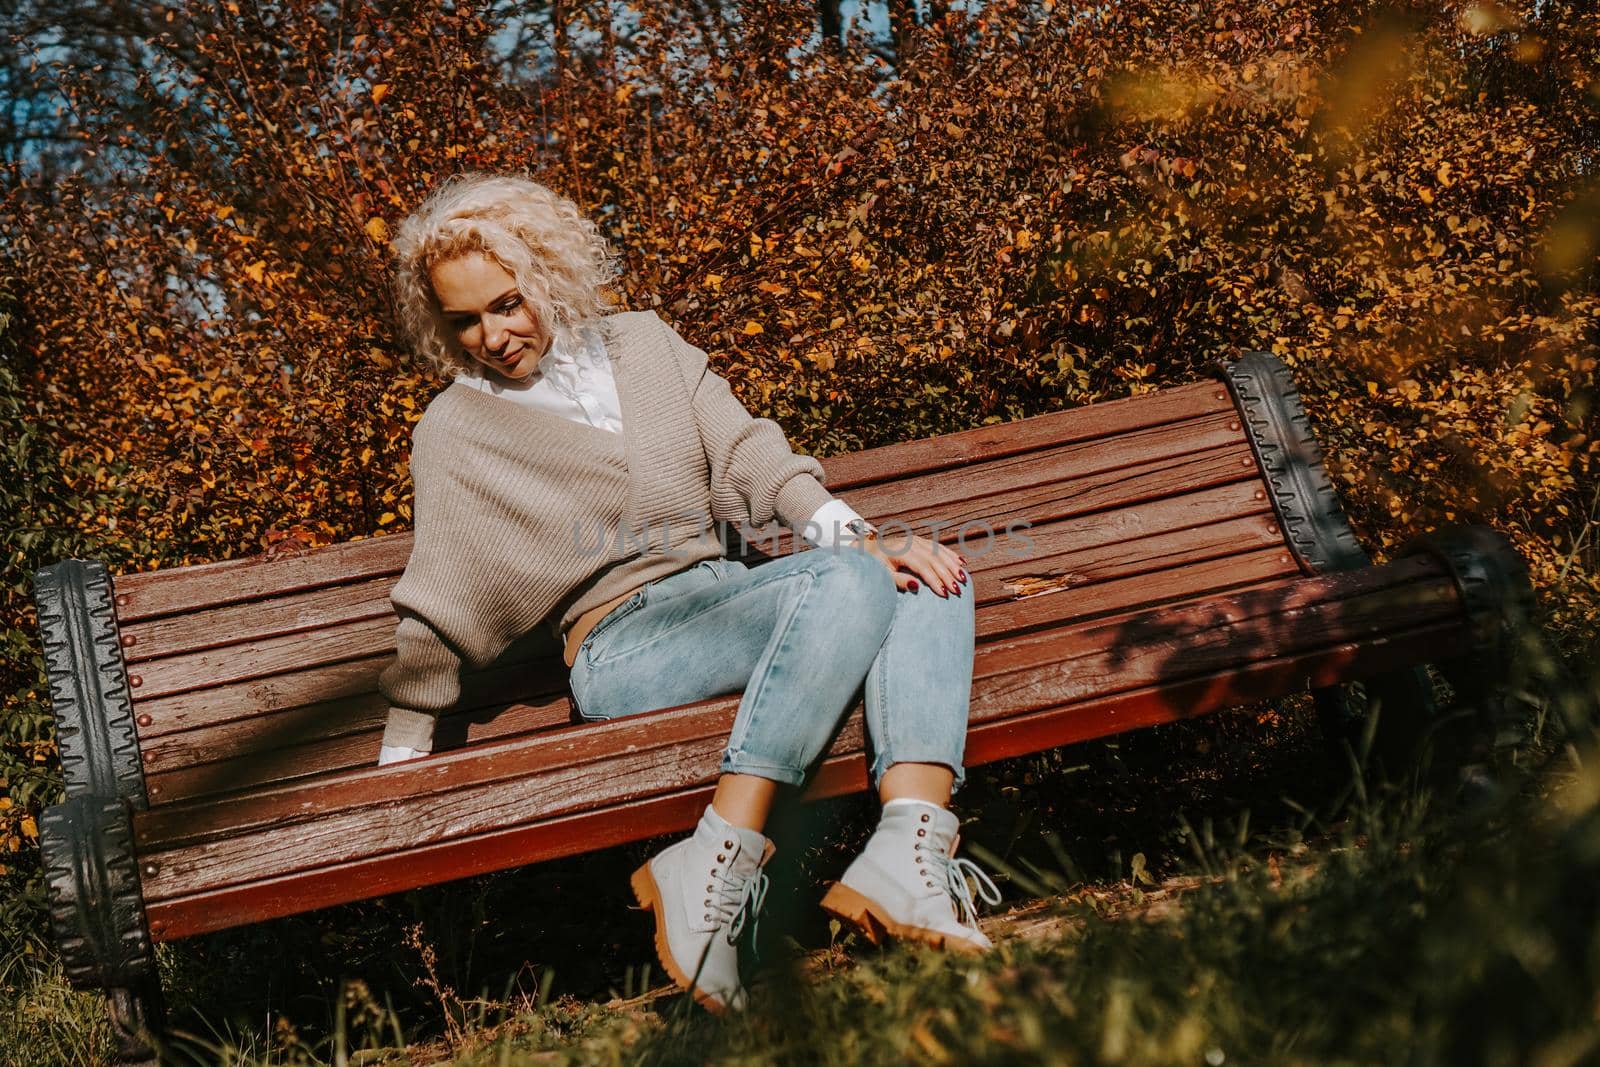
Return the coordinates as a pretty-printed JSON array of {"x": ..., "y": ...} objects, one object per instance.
[{"x": 252, "y": 672}]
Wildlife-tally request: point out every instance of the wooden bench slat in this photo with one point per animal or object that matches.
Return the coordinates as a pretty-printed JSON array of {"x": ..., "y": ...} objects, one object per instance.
[
  {"x": 324, "y": 685},
  {"x": 1192, "y": 530},
  {"x": 303, "y": 746},
  {"x": 1223, "y": 574},
  {"x": 221, "y": 908},
  {"x": 170, "y": 745},
  {"x": 338, "y": 692},
  {"x": 175, "y": 635},
  {"x": 231, "y": 581},
  {"x": 272, "y": 656},
  {"x": 381, "y": 809},
  {"x": 1058, "y": 468},
  {"x": 205, "y": 585},
  {"x": 1110, "y": 419},
  {"x": 1113, "y": 490}
]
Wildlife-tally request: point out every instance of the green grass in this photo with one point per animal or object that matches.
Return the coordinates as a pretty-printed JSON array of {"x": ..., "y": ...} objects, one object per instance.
[{"x": 1383, "y": 925}]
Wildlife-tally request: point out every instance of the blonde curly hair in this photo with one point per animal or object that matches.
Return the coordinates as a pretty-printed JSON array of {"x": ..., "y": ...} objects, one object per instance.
[{"x": 561, "y": 262}]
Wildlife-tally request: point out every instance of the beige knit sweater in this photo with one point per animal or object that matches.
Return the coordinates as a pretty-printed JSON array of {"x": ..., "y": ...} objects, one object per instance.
[{"x": 523, "y": 517}]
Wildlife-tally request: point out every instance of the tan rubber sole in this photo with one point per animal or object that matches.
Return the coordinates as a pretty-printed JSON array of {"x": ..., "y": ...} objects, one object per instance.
[
  {"x": 648, "y": 895},
  {"x": 874, "y": 923}
]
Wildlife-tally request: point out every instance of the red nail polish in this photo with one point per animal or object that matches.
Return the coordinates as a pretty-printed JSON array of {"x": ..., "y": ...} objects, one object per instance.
[
  {"x": 912, "y": 585},
  {"x": 963, "y": 576}
]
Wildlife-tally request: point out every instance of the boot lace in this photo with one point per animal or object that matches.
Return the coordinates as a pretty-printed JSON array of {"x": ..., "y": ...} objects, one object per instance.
[
  {"x": 958, "y": 877},
  {"x": 735, "y": 900}
]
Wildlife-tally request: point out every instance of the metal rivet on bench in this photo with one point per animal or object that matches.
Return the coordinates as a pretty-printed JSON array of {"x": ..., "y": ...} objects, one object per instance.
[
  {"x": 1272, "y": 527},
  {"x": 1283, "y": 559},
  {"x": 149, "y": 757},
  {"x": 1246, "y": 462},
  {"x": 1219, "y": 396},
  {"x": 1234, "y": 425},
  {"x": 128, "y": 640},
  {"x": 144, "y": 720},
  {"x": 157, "y": 926},
  {"x": 154, "y": 790},
  {"x": 122, "y": 600},
  {"x": 1261, "y": 494},
  {"x": 136, "y": 681},
  {"x": 150, "y": 870}
]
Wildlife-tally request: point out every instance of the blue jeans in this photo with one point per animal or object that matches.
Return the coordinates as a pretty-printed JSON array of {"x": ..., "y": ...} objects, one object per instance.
[{"x": 803, "y": 636}]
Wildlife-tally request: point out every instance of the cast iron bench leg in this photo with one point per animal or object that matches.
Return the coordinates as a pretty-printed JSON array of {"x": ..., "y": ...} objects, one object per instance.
[
  {"x": 91, "y": 869},
  {"x": 1318, "y": 533},
  {"x": 98, "y": 915},
  {"x": 1493, "y": 581}
]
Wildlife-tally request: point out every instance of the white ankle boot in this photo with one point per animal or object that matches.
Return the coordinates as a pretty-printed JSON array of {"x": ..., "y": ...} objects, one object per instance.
[
  {"x": 907, "y": 882},
  {"x": 703, "y": 890}
]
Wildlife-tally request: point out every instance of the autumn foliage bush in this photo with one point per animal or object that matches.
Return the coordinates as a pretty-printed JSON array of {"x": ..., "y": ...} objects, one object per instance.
[{"x": 1038, "y": 206}]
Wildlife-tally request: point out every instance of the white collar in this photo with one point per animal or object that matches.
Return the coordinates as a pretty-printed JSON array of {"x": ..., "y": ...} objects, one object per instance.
[{"x": 560, "y": 364}]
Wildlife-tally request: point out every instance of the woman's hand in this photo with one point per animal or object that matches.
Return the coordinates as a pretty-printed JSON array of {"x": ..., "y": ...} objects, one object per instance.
[{"x": 908, "y": 557}]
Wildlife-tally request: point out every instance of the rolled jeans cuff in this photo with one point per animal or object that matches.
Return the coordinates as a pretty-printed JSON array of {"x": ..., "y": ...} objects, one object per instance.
[{"x": 744, "y": 763}]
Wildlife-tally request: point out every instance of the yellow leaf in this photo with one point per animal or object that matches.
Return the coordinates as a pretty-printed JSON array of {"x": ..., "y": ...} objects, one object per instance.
[
  {"x": 257, "y": 270},
  {"x": 386, "y": 518},
  {"x": 930, "y": 1045},
  {"x": 1425, "y": 194},
  {"x": 378, "y": 230},
  {"x": 821, "y": 358},
  {"x": 224, "y": 212},
  {"x": 30, "y": 829},
  {"x": 625, "y": 91},
  {"x": 752, "y": 328},
  {"x": 380, "y": 91}
]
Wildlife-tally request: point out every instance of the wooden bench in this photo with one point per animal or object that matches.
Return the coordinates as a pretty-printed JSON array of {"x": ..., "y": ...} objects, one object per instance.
[{"x": 1171, "y": 555}]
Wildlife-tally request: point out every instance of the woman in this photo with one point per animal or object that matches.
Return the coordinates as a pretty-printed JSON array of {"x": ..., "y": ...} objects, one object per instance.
[{"x": 565, "y": 433}]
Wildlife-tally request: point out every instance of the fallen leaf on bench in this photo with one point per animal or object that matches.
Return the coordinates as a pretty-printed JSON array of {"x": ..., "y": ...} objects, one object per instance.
[{"x": 1022, "y": 588}]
